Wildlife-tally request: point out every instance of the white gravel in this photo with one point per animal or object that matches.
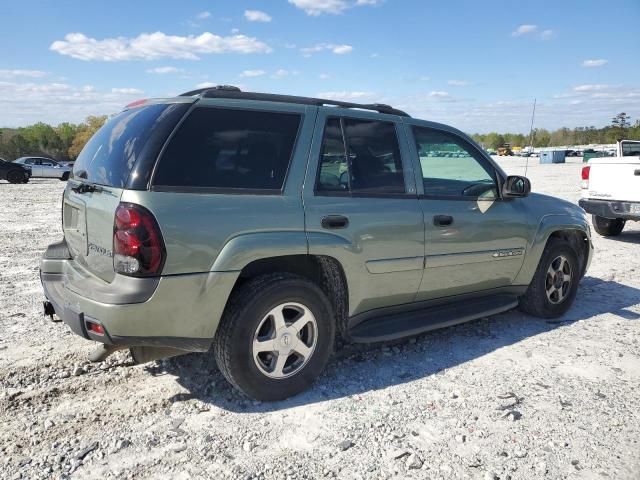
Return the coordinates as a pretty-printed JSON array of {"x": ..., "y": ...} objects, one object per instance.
[{"x": 510, "y": 396}]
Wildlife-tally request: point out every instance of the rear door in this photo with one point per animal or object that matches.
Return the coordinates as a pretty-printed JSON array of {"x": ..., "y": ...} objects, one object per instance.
[
  {"x": 100, "y": 175},
  {"x": 361, "y": 207},
  {"x": 49, "y": 169}
]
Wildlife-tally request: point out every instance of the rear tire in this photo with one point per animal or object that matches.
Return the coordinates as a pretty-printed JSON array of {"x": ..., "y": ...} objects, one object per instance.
[
  {"x": 275, "y": 336},
  {"x": 608, "y": 227},
  {"x": 15, "y": 176},
  {"x": 555, "y": 283}
]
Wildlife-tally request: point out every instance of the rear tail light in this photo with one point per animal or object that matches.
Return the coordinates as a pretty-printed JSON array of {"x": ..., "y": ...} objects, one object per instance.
[
  {"x": 585, "y": 176},
  {"x": 138, "y": 248}
]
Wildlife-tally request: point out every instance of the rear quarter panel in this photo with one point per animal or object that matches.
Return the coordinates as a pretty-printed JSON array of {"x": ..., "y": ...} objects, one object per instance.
[{"x": 198, "y": 228}]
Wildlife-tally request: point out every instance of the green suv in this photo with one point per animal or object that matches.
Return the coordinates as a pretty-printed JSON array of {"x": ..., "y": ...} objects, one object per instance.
[{"x": 261, "y": 227}]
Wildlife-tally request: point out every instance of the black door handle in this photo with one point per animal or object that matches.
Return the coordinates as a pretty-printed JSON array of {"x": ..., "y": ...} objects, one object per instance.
[
  {"x": 442, "y": 220},
  {"x": 334, "y": 221}
]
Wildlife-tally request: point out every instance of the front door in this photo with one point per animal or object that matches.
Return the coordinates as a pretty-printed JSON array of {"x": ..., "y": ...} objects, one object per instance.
[
  {"x": 361, "y": 207},
  {"x": 475, "y": 240}
]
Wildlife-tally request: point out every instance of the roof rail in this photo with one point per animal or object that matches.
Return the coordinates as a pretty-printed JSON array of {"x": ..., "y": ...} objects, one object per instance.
[{"x": 229, "y": 91}]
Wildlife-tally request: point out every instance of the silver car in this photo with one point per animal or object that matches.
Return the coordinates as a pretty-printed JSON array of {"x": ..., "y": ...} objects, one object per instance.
[{"x": 42, "y": 167}]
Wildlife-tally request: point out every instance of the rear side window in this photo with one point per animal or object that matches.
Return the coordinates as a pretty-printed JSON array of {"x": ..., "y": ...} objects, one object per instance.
[
  {"x": 107, "y": 159},
  {"x": 230, "y": 149},
  {"x": 360, "y": 156}
]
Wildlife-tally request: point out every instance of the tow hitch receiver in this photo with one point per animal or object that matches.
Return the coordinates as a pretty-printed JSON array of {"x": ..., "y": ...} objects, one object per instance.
[{"x": 50, "y": 312}]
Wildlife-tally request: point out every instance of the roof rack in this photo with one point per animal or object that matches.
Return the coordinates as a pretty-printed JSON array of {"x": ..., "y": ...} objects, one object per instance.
[{"x": 229, "y": 91}]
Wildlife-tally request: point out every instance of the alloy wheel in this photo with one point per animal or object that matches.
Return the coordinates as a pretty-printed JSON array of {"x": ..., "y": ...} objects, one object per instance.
[{"x": 285, "y": 340}]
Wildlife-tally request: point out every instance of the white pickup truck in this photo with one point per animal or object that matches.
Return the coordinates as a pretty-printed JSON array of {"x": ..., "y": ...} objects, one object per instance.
[{"x": 611, "y": 189}]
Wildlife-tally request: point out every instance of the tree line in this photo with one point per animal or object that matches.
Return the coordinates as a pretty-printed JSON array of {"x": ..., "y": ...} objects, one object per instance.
[
  {"x": 61, "y": 142},
  {"x": 65, "y": 141},
  {"x": 620, "y": 128}
]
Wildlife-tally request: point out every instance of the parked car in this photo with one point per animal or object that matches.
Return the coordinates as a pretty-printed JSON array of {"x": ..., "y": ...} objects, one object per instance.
[
  {"x": 14, "y": 172},
  {"x": 265, "y": 226},
  {"x": 611, "y": 189},
  {"x": 42, "y": 167}
]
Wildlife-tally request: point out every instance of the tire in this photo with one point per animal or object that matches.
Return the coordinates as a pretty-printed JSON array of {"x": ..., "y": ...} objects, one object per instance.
[
  {"x": 536, "y": 301},
  {"x": 15, "y": 176},
  {"x": 608, "y": 227},
  {"x": 64, "y": 177},
  {"x": 249, "y": 324}
]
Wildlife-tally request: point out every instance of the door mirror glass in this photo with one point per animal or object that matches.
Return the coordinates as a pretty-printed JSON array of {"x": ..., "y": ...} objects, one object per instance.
[{"x": 516, "y": 186}]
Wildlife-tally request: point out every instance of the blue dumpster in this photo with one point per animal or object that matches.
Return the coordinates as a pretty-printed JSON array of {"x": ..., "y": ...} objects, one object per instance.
[{"x": 552, "y": 156}]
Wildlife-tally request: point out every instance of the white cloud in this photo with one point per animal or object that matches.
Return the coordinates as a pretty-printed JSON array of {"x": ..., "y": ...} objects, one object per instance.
[
  {"x": 252, "y": 73},
  {"x": 458, "y": 83},
  {"x": 164, "y": 70},
  {"x": 524, "y": 30},
  {"x": 320, "y": 47},
  {"x": 547, "y": 34},
  {"x": 29, "y": 102},
  {"x": 203, "y": 15},
  {"x": 346, "y": 96},
  {"x": 439, "y": 94},
  {"x": 324, "y": 76},
  {"x": 334, "y": 7},
  {"x": 149, "y": 46},
  {"x": 9, "y": 74},
  {"x": 257, "y": 16},
  {"x": 598, "y": 62},
  {"x": 281, "y": 73},
  {"x": 206, "y": 85},
  {"x": 127, "y": 91},
  {"x": 590, "y": 88}
]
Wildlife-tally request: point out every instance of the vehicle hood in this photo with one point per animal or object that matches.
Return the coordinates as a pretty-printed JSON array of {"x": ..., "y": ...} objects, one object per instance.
[{"x": 548, "y": 205}]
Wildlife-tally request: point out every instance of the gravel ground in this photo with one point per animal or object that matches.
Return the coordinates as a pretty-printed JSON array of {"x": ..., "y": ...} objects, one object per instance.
[{"x": 509, "y": 396}]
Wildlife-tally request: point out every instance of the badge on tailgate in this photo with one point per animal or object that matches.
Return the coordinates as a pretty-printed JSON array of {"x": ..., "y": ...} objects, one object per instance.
[{"x": 74, "y": 224}]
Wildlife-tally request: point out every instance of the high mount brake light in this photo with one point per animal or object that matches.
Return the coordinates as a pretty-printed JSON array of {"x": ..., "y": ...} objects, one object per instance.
[
  {"x": 137, "y": 103},
  {"x": 138, "y": 247},
  {"x": 586, "y": 171}
]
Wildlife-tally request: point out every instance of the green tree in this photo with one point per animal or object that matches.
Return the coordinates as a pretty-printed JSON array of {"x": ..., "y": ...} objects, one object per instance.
[
  {"x": 620, "y": 123},
  {"x": 84, "y": 133}
]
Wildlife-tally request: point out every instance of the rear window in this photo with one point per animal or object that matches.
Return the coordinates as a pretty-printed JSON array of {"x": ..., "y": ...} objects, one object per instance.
[
  {"x": 229, "y": 149},
  {"x": 107, "y": 159}
]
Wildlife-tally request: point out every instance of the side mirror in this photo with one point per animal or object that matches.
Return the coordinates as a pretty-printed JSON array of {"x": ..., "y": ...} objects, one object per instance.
[{"x": 516, "y": 186}]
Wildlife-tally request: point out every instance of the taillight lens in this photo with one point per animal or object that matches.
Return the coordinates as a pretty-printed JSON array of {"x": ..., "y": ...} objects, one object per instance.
[
  {"x": 585, "y": 176},
  {"x": 138, "y": 248}
]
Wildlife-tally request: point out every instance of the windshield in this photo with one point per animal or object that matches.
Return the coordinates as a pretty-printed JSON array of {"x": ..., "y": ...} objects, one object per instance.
[{"x": 107, "y": 159}]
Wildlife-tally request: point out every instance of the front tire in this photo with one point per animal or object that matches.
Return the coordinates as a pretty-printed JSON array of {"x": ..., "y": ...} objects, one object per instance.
[
  {"x": 275, "y": 337},
  {"x": 608, "y": 227},
  {"x": 555, "y": 283},
  {"x": 64, "y": 177}
]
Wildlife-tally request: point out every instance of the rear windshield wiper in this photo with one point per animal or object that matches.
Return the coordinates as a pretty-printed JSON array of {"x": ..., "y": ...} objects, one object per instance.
[{"x": 87, "y": 188}]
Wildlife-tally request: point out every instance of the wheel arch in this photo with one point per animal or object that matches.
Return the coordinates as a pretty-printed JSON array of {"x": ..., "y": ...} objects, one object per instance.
[
  {"x": 573, "y": 229},
  {"x": 326, "y": 272}
]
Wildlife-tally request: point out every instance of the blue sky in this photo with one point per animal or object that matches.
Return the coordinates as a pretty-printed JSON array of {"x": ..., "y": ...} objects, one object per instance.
[{"x": 477, "y": 65}]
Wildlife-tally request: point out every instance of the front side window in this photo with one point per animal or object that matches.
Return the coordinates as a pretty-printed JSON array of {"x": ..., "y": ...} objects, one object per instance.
[
  {"x": 451, "y": 167},
  {"x": 361, "y": 157},
  {"x": 230, "y": 149}
]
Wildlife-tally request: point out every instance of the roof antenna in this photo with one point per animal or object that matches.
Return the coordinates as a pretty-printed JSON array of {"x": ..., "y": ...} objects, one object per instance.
[{"x": 526, "y": 167}]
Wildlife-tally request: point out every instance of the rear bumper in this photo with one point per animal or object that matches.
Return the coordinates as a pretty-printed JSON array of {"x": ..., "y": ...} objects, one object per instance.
[
  {"x": 609, "y": 208},
  {"x": 177, "y": 311}
]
